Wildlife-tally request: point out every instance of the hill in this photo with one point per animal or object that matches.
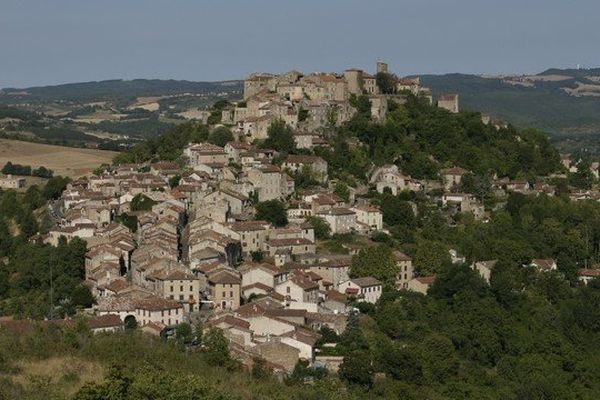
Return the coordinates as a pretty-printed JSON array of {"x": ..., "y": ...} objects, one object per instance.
[
  {"x": 114, "y": 89},
  {"x": 563, "y": 103}
]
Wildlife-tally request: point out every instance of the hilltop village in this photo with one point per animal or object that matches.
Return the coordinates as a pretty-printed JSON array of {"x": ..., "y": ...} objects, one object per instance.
[{"x": 232, "y": 237}]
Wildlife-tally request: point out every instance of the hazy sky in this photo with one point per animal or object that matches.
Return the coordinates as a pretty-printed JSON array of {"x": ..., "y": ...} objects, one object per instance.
[{"x": 55, "y": 41}]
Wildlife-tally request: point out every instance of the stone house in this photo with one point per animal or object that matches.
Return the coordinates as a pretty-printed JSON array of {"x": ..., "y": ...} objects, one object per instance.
[
  {"x": 296, "y": 163},
  {"x": 158, "y": 310},
  {"x": 449, "y": 102},
  {"x": 252, "y": 234},
  {"x": 366, "y": 289},
  {"x": 225, "y": 290},
  {"x": 485, "y": 268},
  {"x": 300, "y": 287},
  {"x": 368, "y": 216},
  {"x": 341, "y": 220},
  {"x": 267, "y": 182},
  {"x": 405, "y": 270},
  {"x": 292, "y": 246},
  {"x": 421, "y": 284},
  {"x": 12, "y": 182},
  {"x": 179, "y": 285},
  {"x": 452, "y": 177}
]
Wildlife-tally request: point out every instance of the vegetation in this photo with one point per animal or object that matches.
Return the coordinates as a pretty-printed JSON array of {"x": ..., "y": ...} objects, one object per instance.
[
  {"x": 32, "y": 271},
  {"x": 17, "y": 169},
  {"x": 272, "y": 211},
  {"x": 571, "y": 121},
  {"x": 280, "y": 138},
  {"x": 142, "y": 203}
]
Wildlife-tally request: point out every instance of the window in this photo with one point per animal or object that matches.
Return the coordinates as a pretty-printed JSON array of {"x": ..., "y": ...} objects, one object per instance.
[
  {"x": 230, "y": 294},
  {"x": 191, "y": 288},
  {"x": 171, "y": 288},
  {"x": 288, "y": 290},
  {"x": 181, "y": 297},
  {"x": 223, "y": 294},
  {"x": 181, "y": 288}
]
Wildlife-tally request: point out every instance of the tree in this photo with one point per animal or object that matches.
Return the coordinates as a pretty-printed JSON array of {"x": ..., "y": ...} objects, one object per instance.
[
  {"x": 431, "y": 256},
  {"x": 321, "y": 227},
  {"x": 272, "y": 211},
  {"x": 216, "y": 349},
  {"x": 259, "y": 370},
  {"x": 341, "y": 189},
  {"x": 257, "y": 256},
  {"x": 220, "y": 136},
  {"x": 439, "y": 358},
  {"x": 357, "y": 369},
  {"x": 386, "y": 82},
  {"x": 54, "y": 187},
  {"x": 184, "y": 332},
  {"x": 457, "y": 279},
  {"x": 280, "y": 137},
  {"x": 141, "y": 202},
  {"x": 399, "y": 363},
  {"x": 174, "y": 181},
  {"x": 377, "y": 261}
]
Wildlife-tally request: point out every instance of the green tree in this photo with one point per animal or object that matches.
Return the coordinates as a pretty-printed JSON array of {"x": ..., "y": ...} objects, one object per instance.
[
  {"x": 272, "y": 211},
  {"x": 377, "y": 261},
  {"x": 357, "y": 369},
  {"x": 321, "y": 227},
  {"x": 280, "y": 137},
  {"x": 341, "y": 189},
  {"x": 386, "y": 82},
  {"x": 216, "y": 348},
  {"x": 174, "y": 181},
  {"x": 184, "y": 333},
  {"x": 141, "y": 202},
  {"x": 220, "y": 136}
]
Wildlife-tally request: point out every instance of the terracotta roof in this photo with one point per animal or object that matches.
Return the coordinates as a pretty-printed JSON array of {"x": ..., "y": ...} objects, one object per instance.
[
  {"x": 230, "y": 320},
  {"x": 154, "y": 303},
  {"x": 366, "y": 281},
  {"x": 426, "y": 280},
  {"x": 542, "y": 263},
  {"x": 288, "y": 242},
  {"x": 454, "y": 171},
  {"x": 400, "y": 256},
  {"x": 104, "y": 321},
  {"x": 224, "y": 277},
  {"x": 586, "y": 272}
]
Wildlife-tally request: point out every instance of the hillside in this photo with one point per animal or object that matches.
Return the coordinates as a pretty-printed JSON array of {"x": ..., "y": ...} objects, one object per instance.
[
  {"x": 563, "y": 103},
  {"x": 110, "y": 115},
  {"x": 114, "y": 89}
]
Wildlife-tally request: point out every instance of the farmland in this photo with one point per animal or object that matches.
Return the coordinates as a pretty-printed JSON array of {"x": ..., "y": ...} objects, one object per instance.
[{"x": 66, "y": 161}]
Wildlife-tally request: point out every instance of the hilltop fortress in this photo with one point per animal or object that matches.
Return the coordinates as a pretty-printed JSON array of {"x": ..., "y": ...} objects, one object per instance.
[{"x": 313, "y": 101}]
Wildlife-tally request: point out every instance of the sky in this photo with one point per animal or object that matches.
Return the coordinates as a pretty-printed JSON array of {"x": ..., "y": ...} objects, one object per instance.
[{"x": 45, "y": 42}]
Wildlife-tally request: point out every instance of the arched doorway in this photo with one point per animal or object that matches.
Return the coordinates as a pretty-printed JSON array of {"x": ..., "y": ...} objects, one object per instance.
[{"x": 130, "y": 322}]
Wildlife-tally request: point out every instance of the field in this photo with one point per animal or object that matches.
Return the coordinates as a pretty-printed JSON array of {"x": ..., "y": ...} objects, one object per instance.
[
  {"x": 65, "y": 375},
  {"x": 66, "y": 161}
]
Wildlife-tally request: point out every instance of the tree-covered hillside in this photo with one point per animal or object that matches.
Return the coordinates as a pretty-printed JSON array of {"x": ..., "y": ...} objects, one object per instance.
[
  {"x": 543, "y": 105},
  {"x": 114, "y": 90}
]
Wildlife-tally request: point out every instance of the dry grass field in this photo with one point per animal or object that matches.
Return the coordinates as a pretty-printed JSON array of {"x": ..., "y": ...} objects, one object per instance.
[
  {"x": 65, "y": 374},
  {"x": 65, "y": 161}
]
